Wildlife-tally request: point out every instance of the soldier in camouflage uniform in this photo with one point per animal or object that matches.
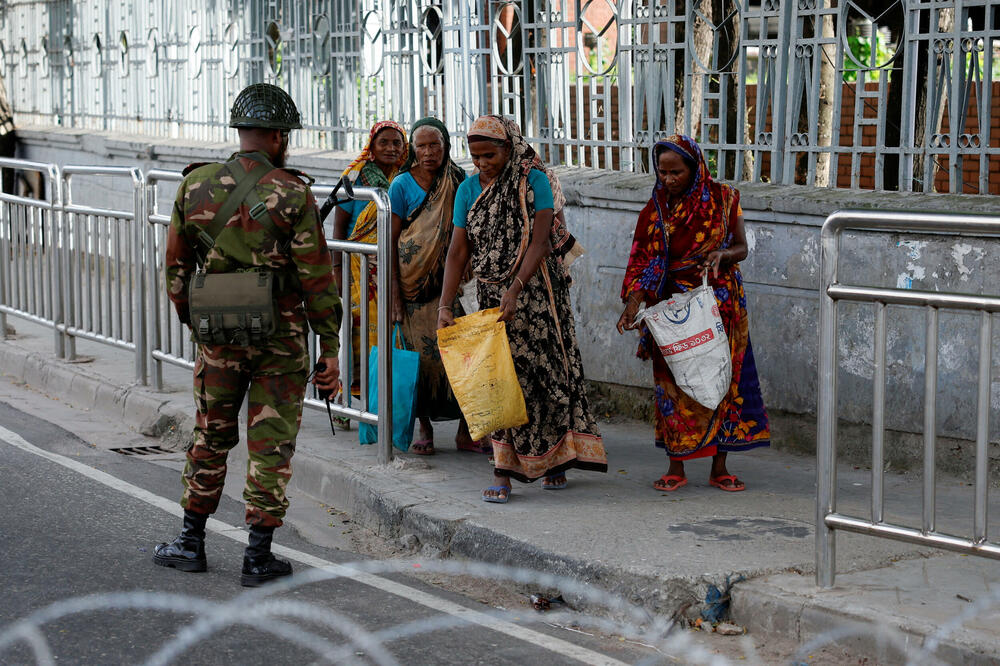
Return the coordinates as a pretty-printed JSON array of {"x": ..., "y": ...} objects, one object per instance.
[{"x": 274, "y": 373}]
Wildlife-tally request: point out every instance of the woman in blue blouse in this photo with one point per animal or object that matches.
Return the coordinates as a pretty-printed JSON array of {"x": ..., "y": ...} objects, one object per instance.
[
  {"x": 504, "y": 225},
  {"x": 422, "y": 197}
]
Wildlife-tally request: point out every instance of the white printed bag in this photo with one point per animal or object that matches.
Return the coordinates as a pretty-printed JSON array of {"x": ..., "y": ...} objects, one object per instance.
[{"x": 689, "y": 332}]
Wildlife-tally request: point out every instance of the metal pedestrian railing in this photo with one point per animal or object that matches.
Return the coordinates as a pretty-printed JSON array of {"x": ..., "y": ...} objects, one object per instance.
[
  {"x": 343, "y": 405},
  {"x": 97, "y": 273},
  {"x": 828, "y": 518},
  {"x": 30, "y": 265},
  {"x": 105, "y": 296},
  {"x": 169, "y": 341}
]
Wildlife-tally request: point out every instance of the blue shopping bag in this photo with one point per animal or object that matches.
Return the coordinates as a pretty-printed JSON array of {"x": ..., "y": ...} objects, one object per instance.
[{"x": 405, "y": 368}]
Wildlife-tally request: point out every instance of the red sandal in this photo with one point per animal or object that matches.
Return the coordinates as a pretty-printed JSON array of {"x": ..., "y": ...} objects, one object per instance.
[
  {"x": 719, "y": 482},
  {"x": 667, "y": 479}
]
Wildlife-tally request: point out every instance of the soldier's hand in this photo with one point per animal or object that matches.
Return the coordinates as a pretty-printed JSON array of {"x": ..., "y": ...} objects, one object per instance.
[{"x": 329, "y": 378}]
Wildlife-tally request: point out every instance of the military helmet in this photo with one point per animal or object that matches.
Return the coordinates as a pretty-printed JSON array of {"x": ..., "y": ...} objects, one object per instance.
[{"x": 264, "y": 105}]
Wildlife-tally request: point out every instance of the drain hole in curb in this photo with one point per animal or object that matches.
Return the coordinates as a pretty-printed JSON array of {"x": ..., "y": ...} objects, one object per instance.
[{"x": 143, "y": 451}]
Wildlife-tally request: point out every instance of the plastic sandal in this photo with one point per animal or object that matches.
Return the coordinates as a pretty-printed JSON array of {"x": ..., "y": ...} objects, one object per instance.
[
  {"x": 422, "y": 447},
  {"x": 483, "y": 445},
  {"x": 717, "y": 481},
  {"x": 554, "y": 486},
  {"x": 667, "y": 480},
  {"x": 500, "y": 498}
]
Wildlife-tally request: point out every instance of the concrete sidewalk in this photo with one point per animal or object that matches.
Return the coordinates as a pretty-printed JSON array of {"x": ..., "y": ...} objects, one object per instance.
[{"x": 659, "y": 550}]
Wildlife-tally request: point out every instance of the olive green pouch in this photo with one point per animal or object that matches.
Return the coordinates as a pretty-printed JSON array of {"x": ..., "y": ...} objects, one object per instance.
[{"x": 232, "y": 308}]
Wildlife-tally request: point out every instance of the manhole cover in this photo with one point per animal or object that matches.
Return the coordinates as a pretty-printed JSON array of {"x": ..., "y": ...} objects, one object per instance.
[{"x": 744, "y": 529}]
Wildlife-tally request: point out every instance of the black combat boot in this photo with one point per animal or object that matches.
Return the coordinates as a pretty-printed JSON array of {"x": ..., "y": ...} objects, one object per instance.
[
  {"x": 259, "y": 565},
  {"x": 187, "y": 551}
]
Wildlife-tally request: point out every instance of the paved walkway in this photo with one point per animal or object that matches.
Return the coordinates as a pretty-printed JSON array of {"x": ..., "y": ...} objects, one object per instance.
[{"x": 657, "y": 549}]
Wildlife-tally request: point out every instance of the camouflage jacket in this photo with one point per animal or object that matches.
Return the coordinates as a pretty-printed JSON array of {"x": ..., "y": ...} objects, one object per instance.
[{"x": 245, "y": 243}]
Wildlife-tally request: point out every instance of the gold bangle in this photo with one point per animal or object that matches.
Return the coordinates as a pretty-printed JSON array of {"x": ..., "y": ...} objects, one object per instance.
[
  {"x": 444, "y": 307},
  {"x": 520, "y": 281}
]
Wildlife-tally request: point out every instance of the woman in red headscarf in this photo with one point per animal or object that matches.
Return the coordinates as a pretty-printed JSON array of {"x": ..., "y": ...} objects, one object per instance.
[
  {"x": 693, "y": 224},
  {"x": 375, "y": 166},
  {"x": 356, "y": 220}
]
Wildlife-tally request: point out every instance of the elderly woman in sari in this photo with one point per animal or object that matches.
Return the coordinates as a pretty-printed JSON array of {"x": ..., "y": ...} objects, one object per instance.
[
  {"x": 422, "y": 198},
  {"x": 376, "y": 166},
  {"x": 503, "y": 223},
  {"x": 691, "y": 225}
]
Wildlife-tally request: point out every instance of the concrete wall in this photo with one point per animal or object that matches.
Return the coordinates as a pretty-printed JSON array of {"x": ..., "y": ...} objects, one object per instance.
[{"x": 782, "y": 281}]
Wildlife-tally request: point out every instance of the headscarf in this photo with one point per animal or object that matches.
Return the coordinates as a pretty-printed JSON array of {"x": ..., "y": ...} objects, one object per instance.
[
  {"x": 674, "y": 239},
  {"x": 489, "y": 127},
  {"x": 371, "y": 175},
  {"x": 448, "y": 165},
  {"x": 695, "y": 204},
  {"x": 427, "y": 229},
  {"x": 500, "y": 220},
  {"x": 503, "y": 208},
  {"x": 365, "y": 230}
]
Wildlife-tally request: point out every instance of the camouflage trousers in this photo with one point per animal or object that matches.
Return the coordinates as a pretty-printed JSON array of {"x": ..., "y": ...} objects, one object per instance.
[{"x": 274, "y": 377}]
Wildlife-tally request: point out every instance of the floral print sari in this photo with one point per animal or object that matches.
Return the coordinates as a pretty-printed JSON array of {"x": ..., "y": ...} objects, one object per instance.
[
  {"x": 561, "y": 432},
  {"x": 668, "y": 247}
]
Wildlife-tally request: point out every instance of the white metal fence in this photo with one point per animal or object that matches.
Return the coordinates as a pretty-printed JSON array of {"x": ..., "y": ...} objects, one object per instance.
[
  {"x": 829, "y": 517},
  {"x": 838, "y": 93},
  {"x": 97, "y": 274}
]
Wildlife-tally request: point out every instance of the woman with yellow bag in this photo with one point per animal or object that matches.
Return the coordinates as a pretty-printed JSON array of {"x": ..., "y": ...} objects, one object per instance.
[
  {"x": 422, "y": 197},
  {"x": 375, "y": 166},
  {"x": 503, "y": 223}
]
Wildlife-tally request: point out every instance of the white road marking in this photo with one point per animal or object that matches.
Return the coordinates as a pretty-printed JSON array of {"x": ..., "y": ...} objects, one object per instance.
[{"x": 525, "y": 634}]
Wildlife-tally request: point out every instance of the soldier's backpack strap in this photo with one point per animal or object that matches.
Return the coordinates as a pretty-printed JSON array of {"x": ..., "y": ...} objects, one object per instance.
[
  {"x": 259, "y": 211},
  {"x": 245, "y": 183}
]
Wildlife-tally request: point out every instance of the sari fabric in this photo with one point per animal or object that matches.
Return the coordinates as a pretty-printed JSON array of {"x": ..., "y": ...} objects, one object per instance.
[
  {"x": 561, "y": 432},
  {"x": 366, "y": 173},
  {"x": 668, "y": 246},
  {"x": 423, "y": 248}
]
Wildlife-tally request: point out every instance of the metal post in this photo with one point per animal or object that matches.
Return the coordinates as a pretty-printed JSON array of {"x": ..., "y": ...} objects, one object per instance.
[
  {"x": 154, "y": 365},
  {"x": 347, "y": 323},
  {"x": 71, "y": 238},
  {"x": 826, "y": 413},
  {"x": 59, "y": 249},
  {"x": 878, "y": 416},
  {"x": 930, "y": 420},
  {"x": 385, "y": 342},
  {"x": 983, "y": 427},
  {"x": 139, "y": 274}
]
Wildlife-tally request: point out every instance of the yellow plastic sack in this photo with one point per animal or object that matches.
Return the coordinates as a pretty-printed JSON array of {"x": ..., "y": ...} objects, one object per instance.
[{"x": 477, "y": 360}]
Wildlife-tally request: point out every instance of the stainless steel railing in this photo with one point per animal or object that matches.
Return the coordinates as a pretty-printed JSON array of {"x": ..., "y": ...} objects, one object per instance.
[
  {"x": 103, "y": 247},
  {"x": 30, "y": 261},
  {"x": 169, "y": 341},
  {"x": 93, "y": 272},
  {"x": 382, "y": 255},
  {"x": 828, "y": 518}
]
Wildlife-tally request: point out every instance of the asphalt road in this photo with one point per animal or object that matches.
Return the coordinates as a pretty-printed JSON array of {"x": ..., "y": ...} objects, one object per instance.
[{"x": 81, "y": 523}]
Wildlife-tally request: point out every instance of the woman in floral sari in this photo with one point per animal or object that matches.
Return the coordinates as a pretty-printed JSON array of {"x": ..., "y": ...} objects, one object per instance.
[
  {"x": 375, "y": 166},
  {"x": 422, "y": 198},
  {"x": 503, "y": 223},
  {"x": 693, "y": 224}
]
